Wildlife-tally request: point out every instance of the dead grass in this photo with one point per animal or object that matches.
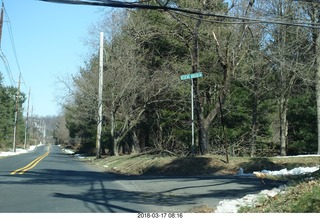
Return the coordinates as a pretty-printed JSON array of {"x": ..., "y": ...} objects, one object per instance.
[
  {"x": 199, "y": 165},
  {"x": 201, "y": 209},
  {"x": 301, "y": 198}
]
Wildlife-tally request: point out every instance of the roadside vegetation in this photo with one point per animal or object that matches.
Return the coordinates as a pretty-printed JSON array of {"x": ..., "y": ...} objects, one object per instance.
[
  {"x": 257, "y": 96},
  {"x": 154, "y": 164},
  {"x": 300, "y": 197},
  {"x": 302, "y": 194}
]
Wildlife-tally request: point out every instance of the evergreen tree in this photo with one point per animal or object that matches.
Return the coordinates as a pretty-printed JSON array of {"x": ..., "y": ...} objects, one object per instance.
[{"x": 8, "y": 97}]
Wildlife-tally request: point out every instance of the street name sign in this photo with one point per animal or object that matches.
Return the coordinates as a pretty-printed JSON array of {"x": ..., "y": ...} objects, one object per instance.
[
  {"x": 185, "y": 77},
  {"x": 191, "y": 76}
]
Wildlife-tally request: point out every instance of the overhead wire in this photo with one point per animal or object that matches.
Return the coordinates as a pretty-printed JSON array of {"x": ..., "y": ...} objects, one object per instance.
[
  {"x": 10, "y": 32},
  {"x": 252, "y": 21},
  {"x": 2, "y": 55},
  {"x": 14, "y": 50},
  {"x": 7, "y": 67},
  {"x": 4, "y": 58},
  {"x": 185, "y": 11}
]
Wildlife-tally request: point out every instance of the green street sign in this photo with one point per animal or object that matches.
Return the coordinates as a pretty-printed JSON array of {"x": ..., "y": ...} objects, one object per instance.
[{"x": 191, "y": 76}]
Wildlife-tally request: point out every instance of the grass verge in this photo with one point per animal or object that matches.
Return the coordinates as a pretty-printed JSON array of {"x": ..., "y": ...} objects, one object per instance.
[
  {"x": 199, "y": 165},
  {"x": 302, "y": 195}
]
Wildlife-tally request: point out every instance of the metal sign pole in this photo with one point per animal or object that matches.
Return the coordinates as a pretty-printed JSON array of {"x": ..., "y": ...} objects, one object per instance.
[
  {"x": 192, "y": 120},
  {"x": 191, "y": 77}
]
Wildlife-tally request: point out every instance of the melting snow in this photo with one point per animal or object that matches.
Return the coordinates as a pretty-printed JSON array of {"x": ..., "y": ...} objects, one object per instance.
[
  {"x": 18, "y": 151},
  {"x": 295, "y": 171},
  {"x": 233, "y": 205},
  {"x": 227, "y": 205}
]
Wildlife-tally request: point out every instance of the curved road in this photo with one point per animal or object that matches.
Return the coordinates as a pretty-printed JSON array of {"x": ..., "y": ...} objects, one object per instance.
[{"x": 47, "y": 180}]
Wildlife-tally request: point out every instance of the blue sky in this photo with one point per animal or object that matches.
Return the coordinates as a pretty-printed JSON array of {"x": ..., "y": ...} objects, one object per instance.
[{"x": 49, "y": 41}]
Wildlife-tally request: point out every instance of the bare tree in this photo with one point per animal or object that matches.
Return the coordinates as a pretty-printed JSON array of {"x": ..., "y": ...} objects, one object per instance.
[
  {"x": 313, "y": 11},
  {"x": 228, "y": 46},
  {"x": 61, "y": 132},
  {"x": 130, "y": 87},
  {"x": 289, "y": 48}
]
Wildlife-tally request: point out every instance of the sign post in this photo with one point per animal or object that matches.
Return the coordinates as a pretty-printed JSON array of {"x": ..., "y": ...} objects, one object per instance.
[{"x": 191, "y": 77}]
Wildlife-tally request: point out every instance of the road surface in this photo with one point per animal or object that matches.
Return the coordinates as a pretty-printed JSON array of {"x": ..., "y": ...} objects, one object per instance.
[{"x": 47, "y": 180}]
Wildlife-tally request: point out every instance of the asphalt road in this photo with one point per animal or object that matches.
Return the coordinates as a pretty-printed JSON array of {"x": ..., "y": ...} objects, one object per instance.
[{"x": 47, "y": 180}]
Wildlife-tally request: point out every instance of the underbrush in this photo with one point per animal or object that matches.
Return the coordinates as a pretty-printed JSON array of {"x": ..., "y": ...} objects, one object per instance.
[
  {"x": 301, "y": 197},
  {"x": 199, "y": 165}
]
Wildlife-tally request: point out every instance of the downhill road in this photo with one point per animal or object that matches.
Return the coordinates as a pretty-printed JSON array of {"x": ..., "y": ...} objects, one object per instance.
[{"x": 47, "y": 180}]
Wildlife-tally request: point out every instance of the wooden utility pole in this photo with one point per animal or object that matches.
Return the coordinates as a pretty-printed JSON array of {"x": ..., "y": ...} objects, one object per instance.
[
  {"x": 27, "y": 119},
  {"x": 98, "y": 141},
  {"x": 16, "y": 116},
  {"x": 1, "y": 21}
]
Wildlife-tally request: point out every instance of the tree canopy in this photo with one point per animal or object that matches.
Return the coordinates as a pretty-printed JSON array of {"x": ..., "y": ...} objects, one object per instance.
[
  {"x": 8, "y": 107},
  {"x": 256, "y": 95}
]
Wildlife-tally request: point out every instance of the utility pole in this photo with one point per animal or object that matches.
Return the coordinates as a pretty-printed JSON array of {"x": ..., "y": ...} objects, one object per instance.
[
  {"x": 1, "y": 21},
  {"x": 31, "y": 130},
  {"x": 27, "y": 119},
  {"x": 44, "y": 133},
  {"x": 16, "y": 116},
  {"x": 98, "y": 140}
]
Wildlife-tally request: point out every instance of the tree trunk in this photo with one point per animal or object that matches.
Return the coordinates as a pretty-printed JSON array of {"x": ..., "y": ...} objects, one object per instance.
[
  {"x": 254, "y": 124},
  {"x": 283, "y": 125},
  {"x": 202, "y": 130},
  {"x": 135, "y": 145},
  {"x": 317, "y": 78},
  {"x": 315, "y": 18},
  {"x": 114, "y": 146},
  {"x": 202, "y": 133}
]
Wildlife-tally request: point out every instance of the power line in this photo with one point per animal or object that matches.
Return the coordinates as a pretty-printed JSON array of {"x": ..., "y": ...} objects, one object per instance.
[
  {"x": 3, "y": 57},
  {"x": 13, "y": 45},
  {"x": 12, "y": 39},
  {"x": 7, "y": 67},
  {"x": 137, "y": 5},
  {"x": 252, "y": 21}
]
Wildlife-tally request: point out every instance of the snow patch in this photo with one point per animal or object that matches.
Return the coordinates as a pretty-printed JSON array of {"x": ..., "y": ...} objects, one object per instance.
[
  {"x": 295, "y": 171},
  {"x": 18, "y": 151},
  {"x": 67, "y": 151},
  {"x": 232, "y": 206},
  {"x": 227, "y": 205},
  {"x": 79, "y": 156}
]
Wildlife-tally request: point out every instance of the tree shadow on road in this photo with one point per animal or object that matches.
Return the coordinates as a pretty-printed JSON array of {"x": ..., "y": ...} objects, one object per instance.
[{"x": 102, "y": 192}]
